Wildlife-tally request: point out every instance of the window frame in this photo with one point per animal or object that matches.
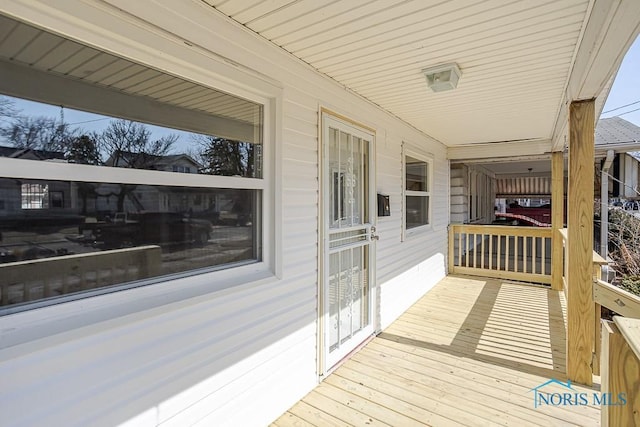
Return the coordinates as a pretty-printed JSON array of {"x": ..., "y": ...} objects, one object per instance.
[
  {"x": 428, "y": 159},
  {"x": 58, "y": 171}
]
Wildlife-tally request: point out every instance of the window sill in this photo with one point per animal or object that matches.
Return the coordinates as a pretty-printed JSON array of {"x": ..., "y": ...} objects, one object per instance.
[
  {"x": 417, "y": 231},
  {"x": 71, "y": 319}
]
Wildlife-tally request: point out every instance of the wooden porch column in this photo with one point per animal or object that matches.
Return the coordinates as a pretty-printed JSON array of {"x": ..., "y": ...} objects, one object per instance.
[
  {"x": 557, "y": 218},
  {"x": 580, "y": 315}
]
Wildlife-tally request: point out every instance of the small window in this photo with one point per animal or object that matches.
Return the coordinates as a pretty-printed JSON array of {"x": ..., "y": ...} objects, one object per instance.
[
  {"x": 35, "y": 196},
  {"x": 417, "y": 192}
]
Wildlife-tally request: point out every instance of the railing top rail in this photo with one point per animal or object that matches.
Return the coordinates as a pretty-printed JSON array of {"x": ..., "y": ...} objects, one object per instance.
[
  {"x": 630, "y": 329},
  {"x": 597, "y": 259},
  {"x": 616, "y": 299},
  {"x": 502, "y": 230},
  {"x": 125, "y": 252},
  {"x": 564, "y": 232}
]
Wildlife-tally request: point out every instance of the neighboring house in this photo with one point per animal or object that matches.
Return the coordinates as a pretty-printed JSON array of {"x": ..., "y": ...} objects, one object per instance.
[
  {"x": 169, "y": 163},
  {"x": 40, "y": 199},
  {"x": 623, "y": 139},
  {"x": 235, "y": 330}
]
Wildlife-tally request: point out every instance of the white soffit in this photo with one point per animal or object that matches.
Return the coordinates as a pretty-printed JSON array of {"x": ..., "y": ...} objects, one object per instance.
[
  {"x": 27, "y": 46},
  {"x": 515, "y": 57}
]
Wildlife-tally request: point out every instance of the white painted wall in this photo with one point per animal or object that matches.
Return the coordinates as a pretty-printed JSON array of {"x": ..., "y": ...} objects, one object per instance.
[{"x": 176, "y": 354}]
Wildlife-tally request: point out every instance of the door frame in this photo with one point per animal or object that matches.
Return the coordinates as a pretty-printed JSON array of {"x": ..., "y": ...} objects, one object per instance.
[{"x": 323, "y": 236}]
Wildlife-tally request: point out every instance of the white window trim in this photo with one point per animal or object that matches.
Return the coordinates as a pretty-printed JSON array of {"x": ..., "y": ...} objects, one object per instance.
[
  {"x": 202, "y": 67},
  {"x": 429, "y": 159}
]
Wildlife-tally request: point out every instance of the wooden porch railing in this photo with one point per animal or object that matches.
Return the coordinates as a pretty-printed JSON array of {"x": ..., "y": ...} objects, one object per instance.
[
  {"x": 616, "y": 346},
  {"x": 620, "y": 358},
  {"x": 36, "y": 279},
  {"x": 598, "y": 262},
  {"x": 504, "y": 252}
]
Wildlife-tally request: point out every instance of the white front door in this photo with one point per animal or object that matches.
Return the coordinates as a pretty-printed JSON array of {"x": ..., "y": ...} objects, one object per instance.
[{"x": 348, "y": 195}]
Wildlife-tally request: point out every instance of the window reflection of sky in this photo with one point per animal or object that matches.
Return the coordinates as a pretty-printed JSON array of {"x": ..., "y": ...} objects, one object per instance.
[{"x": 90, "y": 122}]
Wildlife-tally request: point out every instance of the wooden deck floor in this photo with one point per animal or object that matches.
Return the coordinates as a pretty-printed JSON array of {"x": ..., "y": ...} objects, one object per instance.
[{"x": 468, "y": 353}]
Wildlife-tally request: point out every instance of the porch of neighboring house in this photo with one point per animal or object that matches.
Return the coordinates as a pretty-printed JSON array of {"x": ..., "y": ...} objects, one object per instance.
[{"x": 470, "y": 352}]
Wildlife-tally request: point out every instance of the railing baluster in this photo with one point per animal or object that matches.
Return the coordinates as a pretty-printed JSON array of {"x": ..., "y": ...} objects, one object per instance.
[
  {"x": 482, "y": 251},
  {"x": 543, "y": 257},
  {"x": 460, "y": 248},
  {"x": 503, "y": 250},
  {"x": 524, "y": 254},
  {"x": 499, "y": 252},
  {"x": 466, "y": 247},
  {"x": 534, "y": 245},
  {"x": 506, "y": 253},
  {"x": 516, "y": 264},
  {"x": 490, "y": 251}
]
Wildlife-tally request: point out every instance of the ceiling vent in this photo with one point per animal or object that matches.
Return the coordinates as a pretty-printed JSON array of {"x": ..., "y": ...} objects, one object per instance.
[{"x": 442, "y": 77}]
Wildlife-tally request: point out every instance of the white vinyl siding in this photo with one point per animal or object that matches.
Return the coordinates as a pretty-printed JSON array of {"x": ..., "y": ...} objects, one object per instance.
[{"x": 245, "y": 354}]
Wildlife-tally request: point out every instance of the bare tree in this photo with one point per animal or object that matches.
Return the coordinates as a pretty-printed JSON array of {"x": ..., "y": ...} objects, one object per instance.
[
  {"x": 40, "y": 133},
  {"x": 7, "y": 107},
  {"x": 129, "y": 145}
]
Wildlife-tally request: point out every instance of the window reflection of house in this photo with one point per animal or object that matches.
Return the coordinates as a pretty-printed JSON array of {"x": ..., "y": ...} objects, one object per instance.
[
  {"x": 182, "y": 163},
  {"x": 18, "y": 195}
]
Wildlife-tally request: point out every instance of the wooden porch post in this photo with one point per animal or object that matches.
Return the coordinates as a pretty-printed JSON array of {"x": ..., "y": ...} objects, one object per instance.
[
  {"x": 557, "y": 218},
  {"x": 580, "y": 314}
]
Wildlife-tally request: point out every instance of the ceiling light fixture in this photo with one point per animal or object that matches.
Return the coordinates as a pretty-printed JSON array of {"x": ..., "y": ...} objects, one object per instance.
[{"x": 442, "y": 77}]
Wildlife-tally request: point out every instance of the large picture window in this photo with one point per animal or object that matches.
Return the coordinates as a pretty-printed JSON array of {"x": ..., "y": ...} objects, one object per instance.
[
  {"x": 417, "y": 192},
  {"x": 115, "y": 175},
  {"x": 139, "y": 201}
]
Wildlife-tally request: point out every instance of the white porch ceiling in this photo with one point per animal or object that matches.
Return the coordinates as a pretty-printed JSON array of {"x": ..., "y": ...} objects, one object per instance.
[
  {"x": 34, "y": 49},
  {"x": 516, "y": 57}
]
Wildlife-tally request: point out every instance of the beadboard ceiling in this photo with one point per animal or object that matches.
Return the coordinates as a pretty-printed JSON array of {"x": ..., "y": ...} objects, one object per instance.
[
  {"x": 515, "y": 57},
  {"x": 36, "y": 49}
]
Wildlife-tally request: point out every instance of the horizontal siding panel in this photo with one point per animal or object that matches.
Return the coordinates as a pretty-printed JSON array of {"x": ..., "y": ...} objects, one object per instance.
[
  {"x": 299, "y": 182},
  {"x": 290, "y": 387},
  {"x": 301, "y": 127},
  {"x": 308, "y": 213},
  {"x": 301, "y": 196},
  {"x": 157, "y": 352},
  {"x": 300, "y": 109},
  {"x": 214, "y": 407}
]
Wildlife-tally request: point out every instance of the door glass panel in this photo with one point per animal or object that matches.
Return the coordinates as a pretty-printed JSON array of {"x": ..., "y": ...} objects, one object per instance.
[
  {"x": 348, "y": 283},
  {"x": 334, "y": 318}
]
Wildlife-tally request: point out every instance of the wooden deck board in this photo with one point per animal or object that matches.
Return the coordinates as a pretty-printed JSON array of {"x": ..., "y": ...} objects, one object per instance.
[{"x": 468, "y": 353}]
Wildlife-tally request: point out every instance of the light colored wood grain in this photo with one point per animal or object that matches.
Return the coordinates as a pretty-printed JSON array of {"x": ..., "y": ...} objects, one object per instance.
[
  {"x": 557, "y": 217},
  {"x": 504, "y": 263},
  {"x": 315, "y": 416},
  {"x": 616, "y": 299},
  {"x": 384, "y": 413},
  {"x": 467, "y": 353},
  {"x": 621, "y": 376},
  {"x": 450, "y": 260},
  {"x": 291, "y": 420},
  {"x": 630, "y": 330},
  {"x": 580, "y": 329}
]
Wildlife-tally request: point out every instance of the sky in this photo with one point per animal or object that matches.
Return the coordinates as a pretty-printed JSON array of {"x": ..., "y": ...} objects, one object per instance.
[
  {"x": 90, "y": 122},
  {"x": 626, "y": 88}
]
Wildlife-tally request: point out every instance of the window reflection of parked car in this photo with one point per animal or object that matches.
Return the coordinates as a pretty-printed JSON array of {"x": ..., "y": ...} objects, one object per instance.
[{"x": 151, "y": 228}]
